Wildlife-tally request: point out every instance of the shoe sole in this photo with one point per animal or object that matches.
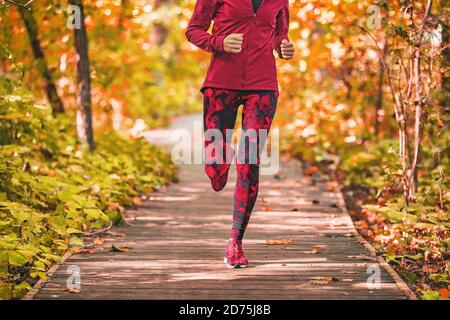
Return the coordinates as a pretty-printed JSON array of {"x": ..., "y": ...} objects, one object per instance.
[{"x": 236, "y": 266}]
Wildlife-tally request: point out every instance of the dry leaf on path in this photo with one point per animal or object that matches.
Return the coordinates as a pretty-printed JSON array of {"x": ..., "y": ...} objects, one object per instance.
[
  {"x": 331, "y": 186},
  {"x": 348, "y": 235},
  {"x": 119, "y": 249},
  {"x": 279, "y": 242},
  {"x": 85, "y": 251},
  {"x": 322, "y": 280},
  {"x": 73, "y": 290},
  {"x": 98, "y": 241},
  {"x": 350, "y": 272}
]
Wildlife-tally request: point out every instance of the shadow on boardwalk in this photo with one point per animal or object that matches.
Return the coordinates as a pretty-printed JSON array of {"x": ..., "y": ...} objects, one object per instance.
[{"x": 177, "y": 240}]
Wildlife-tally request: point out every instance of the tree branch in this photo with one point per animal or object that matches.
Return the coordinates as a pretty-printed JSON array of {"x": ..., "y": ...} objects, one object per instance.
[{"x": 19, "y": 4}]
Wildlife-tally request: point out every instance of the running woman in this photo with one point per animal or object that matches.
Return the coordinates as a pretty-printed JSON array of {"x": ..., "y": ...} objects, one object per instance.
[{"x": 242, "y": 71}]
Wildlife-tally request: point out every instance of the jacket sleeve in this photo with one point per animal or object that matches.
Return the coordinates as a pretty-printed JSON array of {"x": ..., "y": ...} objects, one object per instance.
[
  {"x": 197, "y": 30},
  {"x": 282, "y": 27}
]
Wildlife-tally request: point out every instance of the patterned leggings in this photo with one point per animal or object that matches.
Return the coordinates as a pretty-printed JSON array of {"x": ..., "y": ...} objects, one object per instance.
[{"x": 220, "y": 112}]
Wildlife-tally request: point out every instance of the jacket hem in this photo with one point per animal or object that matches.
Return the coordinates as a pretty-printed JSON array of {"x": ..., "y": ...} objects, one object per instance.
[{"x": 238, "y": 87}]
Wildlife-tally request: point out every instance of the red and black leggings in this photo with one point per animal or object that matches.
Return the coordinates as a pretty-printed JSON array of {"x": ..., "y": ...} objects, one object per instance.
[{"x": 219, "y": 113}]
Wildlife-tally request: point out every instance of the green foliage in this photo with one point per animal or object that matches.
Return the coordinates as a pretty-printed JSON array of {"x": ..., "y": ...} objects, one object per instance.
[
  {"x": 375, "y": 166},
  {"x": 430, "y": 295},
  {"x": 52, "y": 191},
  {"x": 440, "y": 278}
]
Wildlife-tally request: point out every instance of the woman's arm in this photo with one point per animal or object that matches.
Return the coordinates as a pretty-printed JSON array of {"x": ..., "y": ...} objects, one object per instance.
[
  {"x": 282, "y": 27},
  {"x": 197, "y": 31}
]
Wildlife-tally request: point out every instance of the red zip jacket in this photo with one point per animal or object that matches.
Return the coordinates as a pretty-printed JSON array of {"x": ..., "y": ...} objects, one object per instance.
[{"x": 254, "y": 67}]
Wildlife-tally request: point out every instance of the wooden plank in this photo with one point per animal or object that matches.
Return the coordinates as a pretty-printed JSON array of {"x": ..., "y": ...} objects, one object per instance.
[{"x": 177, "y": 240}]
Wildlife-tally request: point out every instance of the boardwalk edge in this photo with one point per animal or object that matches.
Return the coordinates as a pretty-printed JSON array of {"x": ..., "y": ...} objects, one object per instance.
[
  {"x": 38, "y": 285},
  {"x": 398, "y": 280}
]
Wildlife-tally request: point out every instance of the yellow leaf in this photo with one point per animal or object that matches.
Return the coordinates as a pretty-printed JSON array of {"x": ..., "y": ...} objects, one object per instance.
[{"x": 279, "y": 242}]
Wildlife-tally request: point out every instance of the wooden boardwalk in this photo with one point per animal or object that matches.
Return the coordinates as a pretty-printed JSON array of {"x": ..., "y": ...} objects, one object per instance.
[{"x": 177, "y": 238}]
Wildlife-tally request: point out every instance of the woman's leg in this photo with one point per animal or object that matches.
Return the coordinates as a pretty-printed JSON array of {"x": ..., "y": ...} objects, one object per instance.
[
  {"x": 219, "y": 114},
  {"x": 257, "y": 115}
]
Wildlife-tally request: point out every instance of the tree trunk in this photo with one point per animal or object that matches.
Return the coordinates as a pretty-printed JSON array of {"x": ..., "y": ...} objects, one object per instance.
[
  {"x": 50, "y": 88},
  {"x": 381, "y": 73},
  {"x": 84, "y": 114},
  {"x": 123, "y": 15},
  {"x": 159, "y": 30},
  {"x": 379, "y": 96}
]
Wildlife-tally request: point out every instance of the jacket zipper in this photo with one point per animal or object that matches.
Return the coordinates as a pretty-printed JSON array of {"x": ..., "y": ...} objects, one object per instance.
[
  {"x": 254, "y": 22},
  {"x": 254, "y": 11}
]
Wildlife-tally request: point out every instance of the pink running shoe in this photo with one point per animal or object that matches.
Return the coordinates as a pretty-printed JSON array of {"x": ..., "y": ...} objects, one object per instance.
[{"x": 234, "y": 255}]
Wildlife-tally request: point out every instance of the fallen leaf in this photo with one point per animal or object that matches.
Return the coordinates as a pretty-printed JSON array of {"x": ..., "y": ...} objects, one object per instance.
[
  {"x": 85, "y": 251},
  {"x": 362, "y": 224},
  {"x": 278, "y": 242},
  {"x": 381, "y": 201},
  {"x": 331, "y": 186},
  {"x": 311, "y": 170},
  {"x": 444, "y": 292},
  {"x": 350, "y": 272},
  {"x": 73, "y": 290},
  {"x": 137, "y": 201},
  {"x": 322, "y": 280},
  {"x": 119, "y": 249},
  {"x": 98, "y": 241},
  {"x": 321, "y": 246},
  {"x": 348, "y": 235},
  {"x": 267, "y": 209}
]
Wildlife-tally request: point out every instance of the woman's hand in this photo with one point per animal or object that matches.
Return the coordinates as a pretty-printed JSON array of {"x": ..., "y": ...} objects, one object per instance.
[
  {"x": 233, "y": 43},
  {"x": 287, "y": 50}
]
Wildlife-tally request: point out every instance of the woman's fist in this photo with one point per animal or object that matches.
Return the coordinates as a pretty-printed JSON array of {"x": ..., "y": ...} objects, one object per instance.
[
  {"x": 233, "y": 43},
  {"x": 287, "y": 50}
]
